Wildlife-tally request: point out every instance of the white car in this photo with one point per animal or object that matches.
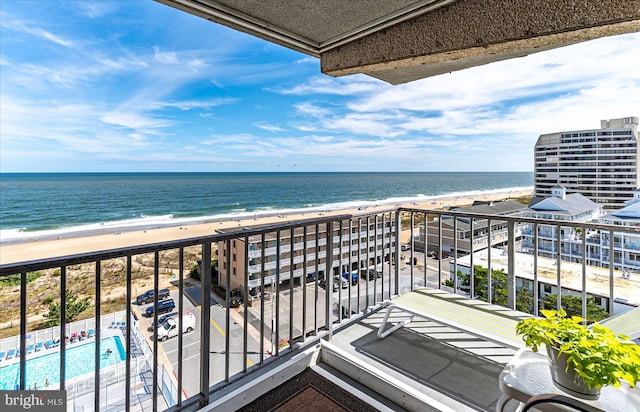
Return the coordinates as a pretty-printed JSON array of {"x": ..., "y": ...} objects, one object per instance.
[{"x": 169, "y": 328}]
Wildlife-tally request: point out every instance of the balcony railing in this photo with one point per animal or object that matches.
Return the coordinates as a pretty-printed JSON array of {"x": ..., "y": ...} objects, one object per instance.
[{"x": 276, "y": 316}]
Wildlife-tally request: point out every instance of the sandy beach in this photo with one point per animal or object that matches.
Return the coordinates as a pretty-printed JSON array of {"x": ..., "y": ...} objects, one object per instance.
[{"x": 41, "y": 249}]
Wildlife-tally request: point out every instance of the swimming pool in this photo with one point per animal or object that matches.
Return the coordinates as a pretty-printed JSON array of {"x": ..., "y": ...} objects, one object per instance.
[{"x": 80, "y": 361}]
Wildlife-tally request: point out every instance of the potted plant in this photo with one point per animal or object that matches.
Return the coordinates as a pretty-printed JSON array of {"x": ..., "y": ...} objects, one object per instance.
[{"x": 582, "y": 359}]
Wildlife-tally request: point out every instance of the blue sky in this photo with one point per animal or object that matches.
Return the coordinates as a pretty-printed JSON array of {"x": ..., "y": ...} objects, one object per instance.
[{"x": 139, "y": 86}]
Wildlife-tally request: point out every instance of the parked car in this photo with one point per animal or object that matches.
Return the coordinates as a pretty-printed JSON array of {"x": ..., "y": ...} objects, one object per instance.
[
  {"x": 169, "y": 328},
  {"x": 342, "y": 281},
  {"x": 354, "y": 277},
  {"x": 162, "y": 319},
  {"x": 415, "y": 261},
  {"x": 147, "y": 297},
  {"x": 406, "y": 246},
  {"x": 370, "y": 273},
  {"x": 164, "y": 306}
]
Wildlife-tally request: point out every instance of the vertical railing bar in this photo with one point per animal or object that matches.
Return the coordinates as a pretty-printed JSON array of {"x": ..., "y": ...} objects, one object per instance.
[
  {"x": 511, "y": 264},
  {"x": 350, "y": 276},
  {"x": 558, "y": 268},
  {"x": 275, "y": 317},
  {"x": 368, "y": 257},
  {"x": 316, "y": 296},
  {"x": 611, "y": 274},
  {"x": 536, "y": 286},
  {"x": 127, "y": 338},
  {"x": 227, "y": 323},
  {"x": 472, "y": 281},
  {"x": 180, "y": 320},
  {"x": 375, "y": 259},
  {"x": 205, "y": 334},
  {"x": 412, "y": 224},
  {"x": 455, "y": 254},
  {"x": 329, "y": 279},
  {"x": 398, "y": 238},
  {"x": 340, "y": 270},
  {"x": 156, "y": 287},
  {"x": 63, "y": 327},
  {"x": 489, "y": 269},
  {"x": 292, "y": 238},
  {"x": 584, "y": 272},
  {"x": 96, "y": 384},
  {"x": 304, "y": 283},
  {"x": 424, "y": 248},
  {"x": 439, "y": 251},
  {"x": 391, "y": 252},
  {"x": 382, "y": 257},
  {"x": 359, "y": 263},
  {"x": 262, "y": 319},
  {"x": 245, "y": 303},
  {"x": 23, "y": 331}
]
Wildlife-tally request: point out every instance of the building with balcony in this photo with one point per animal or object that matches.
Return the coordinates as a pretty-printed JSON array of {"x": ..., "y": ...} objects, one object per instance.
[
  {"x": 601, "y": 164},
  {"x": 459, "y": 236},
  {"x": 626, "y": 247},
  {"x": 278, "y": 257},
  {"x": 552, "y": 239}
]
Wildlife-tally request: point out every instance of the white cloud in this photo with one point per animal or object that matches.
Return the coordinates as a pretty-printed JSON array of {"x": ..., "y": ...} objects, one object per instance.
[
  {"x": 269, "y": 127},
  {"x": 165, "y": 57},
  {"x": 259, "y": 104}
]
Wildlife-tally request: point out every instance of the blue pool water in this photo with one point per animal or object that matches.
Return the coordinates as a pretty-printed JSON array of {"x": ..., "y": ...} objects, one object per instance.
[{"x": 80, "y": 361}]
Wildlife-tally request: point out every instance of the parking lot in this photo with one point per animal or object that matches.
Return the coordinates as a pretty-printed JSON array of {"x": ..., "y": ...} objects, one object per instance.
[
  {"x": 315, "y": 319},
  {"x": 168, "y": 350}
]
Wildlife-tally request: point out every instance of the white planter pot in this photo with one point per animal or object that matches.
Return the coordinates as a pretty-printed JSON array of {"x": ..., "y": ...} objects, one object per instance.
[{"x": 568, "y": 380}]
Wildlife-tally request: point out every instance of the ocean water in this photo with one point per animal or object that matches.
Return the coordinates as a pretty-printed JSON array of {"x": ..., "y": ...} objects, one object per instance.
[{"x": 47, "y": 205}]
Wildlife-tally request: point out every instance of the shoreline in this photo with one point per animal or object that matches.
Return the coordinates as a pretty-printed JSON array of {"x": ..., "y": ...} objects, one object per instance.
[
  {"x": 76, "y": 242},
  {"x": 15, "y": 235}
]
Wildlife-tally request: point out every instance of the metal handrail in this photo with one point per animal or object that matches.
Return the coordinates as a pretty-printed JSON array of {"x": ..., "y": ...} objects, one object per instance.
[{"x": 326, "y": 245}]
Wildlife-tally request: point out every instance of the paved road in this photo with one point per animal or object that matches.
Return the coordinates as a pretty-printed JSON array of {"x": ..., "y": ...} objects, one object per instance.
[{"x": 168, "y": 350}]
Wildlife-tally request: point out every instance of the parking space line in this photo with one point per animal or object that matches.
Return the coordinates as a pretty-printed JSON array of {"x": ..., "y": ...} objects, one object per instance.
[
  {"x": 183, "y": 346},
  {"x": 219, "y": 329}
]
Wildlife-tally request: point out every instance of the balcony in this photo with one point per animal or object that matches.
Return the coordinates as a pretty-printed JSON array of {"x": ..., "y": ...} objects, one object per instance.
[{"x": 236, "y": 355}]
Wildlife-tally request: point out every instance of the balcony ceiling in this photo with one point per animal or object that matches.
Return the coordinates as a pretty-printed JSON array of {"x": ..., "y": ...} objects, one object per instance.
[{"x": 402, "y": 40}]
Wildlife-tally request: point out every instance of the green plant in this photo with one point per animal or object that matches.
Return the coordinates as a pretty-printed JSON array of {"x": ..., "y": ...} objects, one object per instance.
[
  {"x": 573, "y": 306},
  {"x": 14, "y": 280},
  {"x": 599, "y": 356},
  {"x": 74, "y": 307}
]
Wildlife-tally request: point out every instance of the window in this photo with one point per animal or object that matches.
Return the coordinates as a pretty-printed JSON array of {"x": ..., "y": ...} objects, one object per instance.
[{"x": 547, "y": 288}]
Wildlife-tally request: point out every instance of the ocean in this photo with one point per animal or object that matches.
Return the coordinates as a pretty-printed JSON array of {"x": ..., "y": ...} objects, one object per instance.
[{"x": 47, "y": 205}]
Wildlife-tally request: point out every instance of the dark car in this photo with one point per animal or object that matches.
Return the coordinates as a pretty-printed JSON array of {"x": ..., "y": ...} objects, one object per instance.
[
  {"x": 147, "y": 297},
  {"x": 370, "y": 273},
  {"x": 164, "y": 306}
]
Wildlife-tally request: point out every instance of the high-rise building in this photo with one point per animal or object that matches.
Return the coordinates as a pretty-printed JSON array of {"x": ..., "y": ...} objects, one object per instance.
[{"x": 601, "y": 164}]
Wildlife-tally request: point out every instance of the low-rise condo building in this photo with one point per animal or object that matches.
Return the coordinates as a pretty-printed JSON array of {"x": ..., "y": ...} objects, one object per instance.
[
  {"x": 303, "y": 252},
  {"x": 468, "y": 237}
]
